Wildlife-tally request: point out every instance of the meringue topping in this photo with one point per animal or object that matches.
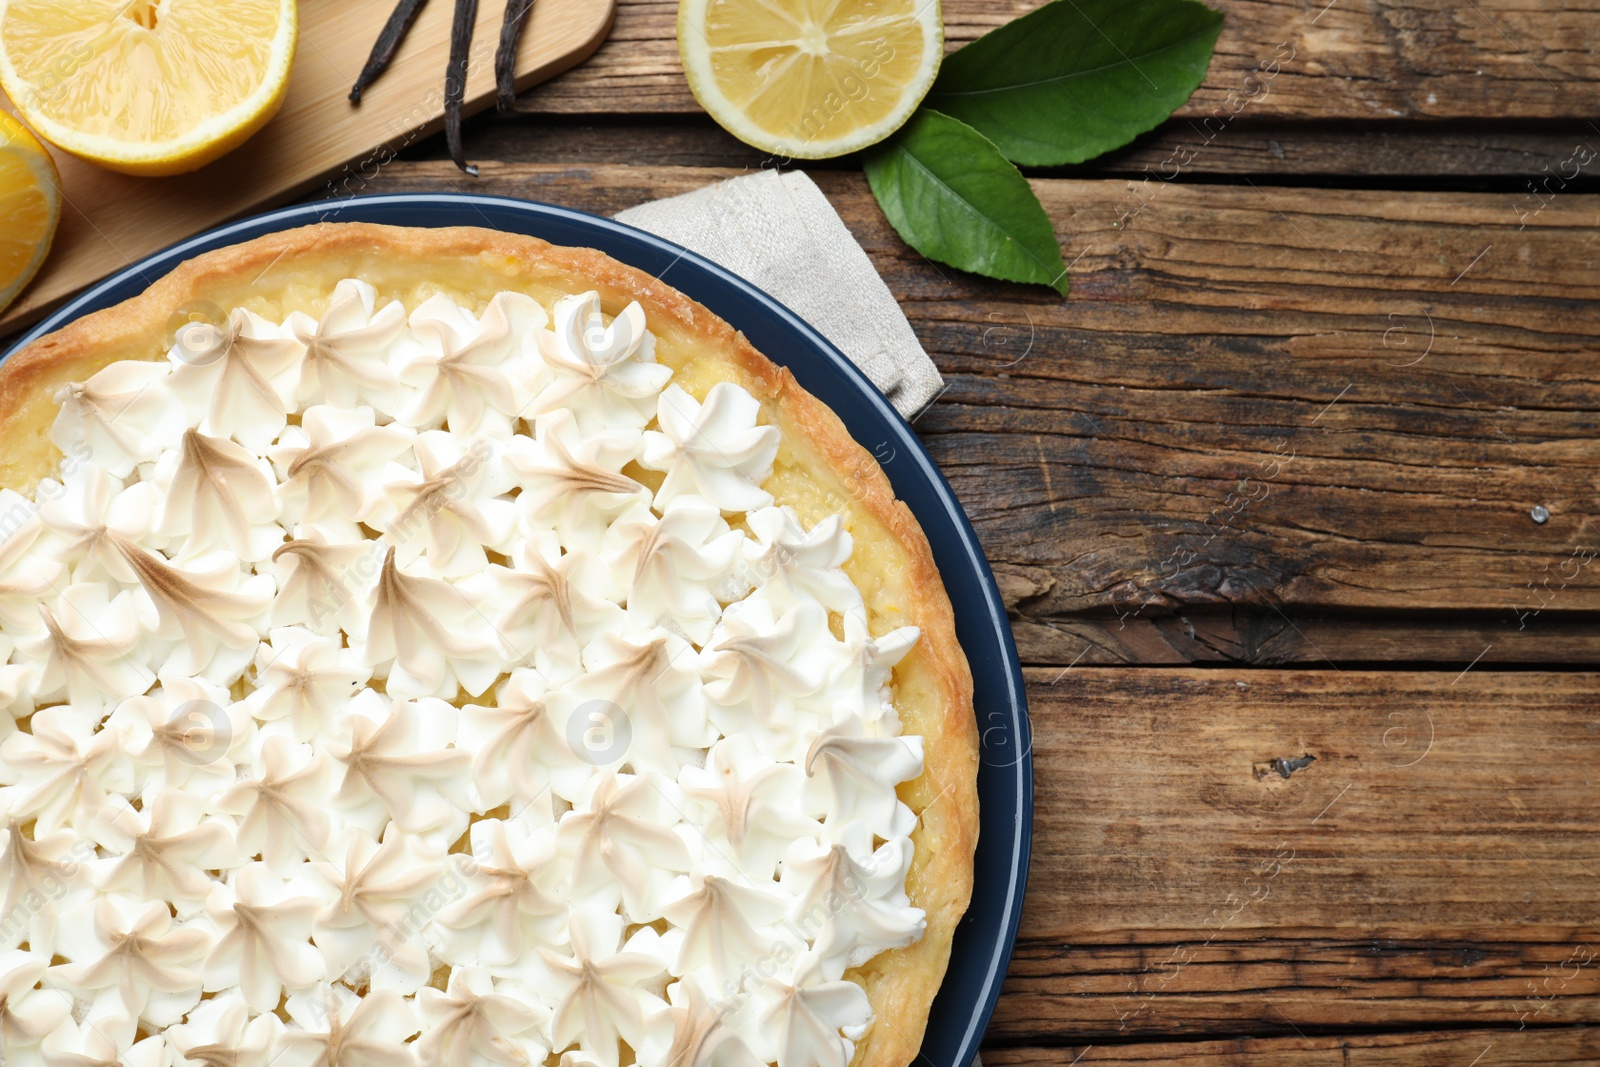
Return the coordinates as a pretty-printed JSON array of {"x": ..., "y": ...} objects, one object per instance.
[
  {"x": 346, "y": 351},
  {"x": 700, "y": 1032},
  {"x": 714, "y": 450},
  {"x": 38, "y": 874},
  {"x": 220, "y": 498},
  {"x": 88, "y": 654},
  {"x": 25, "y": 577},
  {"x": 468, "y": 1024},
  {"x": 429, "y": 632},
  {"x": 462, "y": 366},
  {"x": 121, "y": 416},
  {"x": 504, "y": 902},
  {"x": 755, "y": 805},
  {"x": 649, "y": 677},
  {"x": 206, "y": 611},
  {"x": 552, "y": 604},
  {"x": 83, "y": 510},
  {"x": 238, "y": 379},
  {"x": 392, "y": 762},
  {"x": 449, "y": 509},
  {"x": 163, "y": 854},
  {"x": 440, "y": 687},
  {"x": 676, "y": 565},
  {"x": 860, "y": 772},
  {"x": 372, "y": 883},
  {"x": 27, "y": 1014},
  {"x": 323, "y": 585},
  {"x": 305, "y": 680},
  {"x": 598, "y": 367},
  {"x": 221, "y": 1033},
  {"x": 336, "y": 1027},
  {"x": 61, "y": 771},
  {"x": 600, "y": 999},
  {"x": 329, "y": 463},
  {"x": 515, "y": 743},
  {"x": 263, "y": 937},
  {"x": 281, "y": 808},
  {"x": 617, "y": 840},
  {"x": 726, "y": 924},
  {"x": 809, "y": 1022},
  {"x": 574, "y": 488},
  {"x": 146, "y": 960}
]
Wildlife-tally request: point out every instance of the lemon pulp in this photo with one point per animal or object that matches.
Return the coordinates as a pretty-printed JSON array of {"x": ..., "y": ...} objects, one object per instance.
[
  {"x": 146, "y": 86},
  {"x": 30, "y": 206},
  {"x": 810, "y": 78}
]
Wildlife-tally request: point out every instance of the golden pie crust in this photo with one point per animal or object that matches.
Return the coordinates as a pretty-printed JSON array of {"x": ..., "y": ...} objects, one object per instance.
[{"x": 819, "y": 470}]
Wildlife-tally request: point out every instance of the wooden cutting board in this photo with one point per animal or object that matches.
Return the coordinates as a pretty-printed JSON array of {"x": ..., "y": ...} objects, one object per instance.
[{"x": 109, "y": 220}]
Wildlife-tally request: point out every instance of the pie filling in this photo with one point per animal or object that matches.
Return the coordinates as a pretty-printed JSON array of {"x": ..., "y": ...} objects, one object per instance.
[{"x": 439, "y": 688}]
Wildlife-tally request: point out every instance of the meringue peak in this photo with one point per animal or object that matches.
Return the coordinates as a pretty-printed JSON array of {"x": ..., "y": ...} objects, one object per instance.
[
  {"x": 123, "y": 415},
  {"x": 600, "y": 1001},
  {"x": 468, "y": 1024},
  {"x": 713, "y": 450},
  {"x": 281, "y": 808},
  {"x": 201, "y": 614},
  {"x": 345, "y": 349},
  {"x": 220, "y": 498},
  {"x": 616, "y": 840},
  {"x": 387, "y": 760},
  {"x": 429, "y": 630},
  {"x": 241, "y": 376},
  {"x": 700, "y": 1032}
]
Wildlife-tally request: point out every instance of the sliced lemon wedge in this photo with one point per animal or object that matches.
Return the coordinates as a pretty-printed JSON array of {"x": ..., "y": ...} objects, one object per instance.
[
  {"x": 30, "y": 206},
  {"x": 146, "y": 86},
  {"x": 810, "y": 79}
]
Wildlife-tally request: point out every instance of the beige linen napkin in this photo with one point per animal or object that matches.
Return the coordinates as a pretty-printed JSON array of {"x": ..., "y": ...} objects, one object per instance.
[{"x": 778, "y": 232}]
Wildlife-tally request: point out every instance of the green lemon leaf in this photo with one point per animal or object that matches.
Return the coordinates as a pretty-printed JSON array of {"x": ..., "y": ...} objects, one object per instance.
[
  {"x": 1077, "y": 78},
  {"x": 954, "y": 198}
]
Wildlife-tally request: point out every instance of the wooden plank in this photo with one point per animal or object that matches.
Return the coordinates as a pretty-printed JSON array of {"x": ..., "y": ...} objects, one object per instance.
[
  {"x": 1422, "y": 59},
  {"x": 1272, "y": 985},
  {"x": 1477, "y": 156},
  {"x": 1431, "y": 866},
  {"x": 1460, "y": 1048},
  {"x": 1436, "y": 807},
  {"x": 1265, "y": 638},
  {"x": 1281, "y": 401},
  {"x": 108, "y": 220}
]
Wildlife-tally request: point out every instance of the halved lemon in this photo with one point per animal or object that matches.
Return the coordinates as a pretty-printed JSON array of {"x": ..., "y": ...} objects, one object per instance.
[
  {"x": 147, "y": 86},
  {"x": 810, "y": 78},
  {"x": 30, "y": 206}
]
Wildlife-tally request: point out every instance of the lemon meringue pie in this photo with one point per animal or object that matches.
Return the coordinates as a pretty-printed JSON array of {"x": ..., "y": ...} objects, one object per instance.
[{"x": 437, "y": 646}]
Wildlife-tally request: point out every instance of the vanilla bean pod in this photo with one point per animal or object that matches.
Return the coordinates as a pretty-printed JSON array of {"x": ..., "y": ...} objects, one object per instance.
[
  {"x": 455, "y": 80},
  {"x": 505, "y": 57},
  {"x": 388, "y": 43}
]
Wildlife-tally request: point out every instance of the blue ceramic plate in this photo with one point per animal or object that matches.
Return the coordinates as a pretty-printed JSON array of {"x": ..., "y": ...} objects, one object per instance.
[{"x": 1005, "y": 776}]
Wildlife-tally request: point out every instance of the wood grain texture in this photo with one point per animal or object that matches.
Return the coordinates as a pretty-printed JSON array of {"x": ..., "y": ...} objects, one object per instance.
[
  {"x": 1462, "y": 1048},
  {"x": 1265, "y": 638},
  {"x": 1432, "y": 810},
  {"x": 1285, "y": 402},
  {"x": 109, "y": 220},
  {"x": 1271, "y": 985},
  {"x": 1395, "y": 59},
  {"x": 1431, "y": 866},
  {"x": 1480, "y": 155}
]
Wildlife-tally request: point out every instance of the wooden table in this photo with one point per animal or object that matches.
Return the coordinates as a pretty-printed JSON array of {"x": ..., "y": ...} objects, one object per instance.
[{"x": 1293, "y": 503}]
